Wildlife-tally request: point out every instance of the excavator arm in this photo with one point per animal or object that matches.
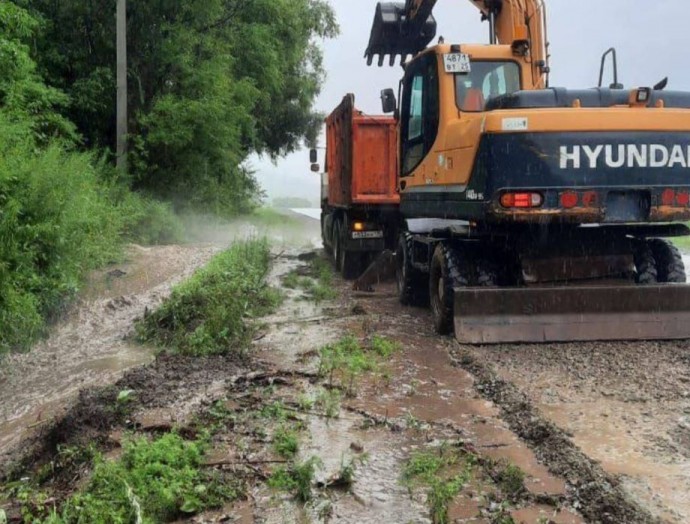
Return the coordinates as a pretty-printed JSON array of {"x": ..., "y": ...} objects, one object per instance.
[{"x": 406, "y": 29}]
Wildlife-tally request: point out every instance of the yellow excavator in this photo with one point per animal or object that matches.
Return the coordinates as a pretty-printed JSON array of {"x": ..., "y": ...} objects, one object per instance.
[{"x": 531, "y": 213}]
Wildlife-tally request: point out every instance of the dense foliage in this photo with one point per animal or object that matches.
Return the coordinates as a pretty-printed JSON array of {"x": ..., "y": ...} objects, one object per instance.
[
  {"x": 56, "y": 218},
  {"x": 210, "y": 81}
]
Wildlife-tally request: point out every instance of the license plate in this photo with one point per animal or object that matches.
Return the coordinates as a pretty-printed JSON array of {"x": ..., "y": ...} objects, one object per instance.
[
  {"x": 366, "y": 234},
  {"x": 457, "y": 63}
]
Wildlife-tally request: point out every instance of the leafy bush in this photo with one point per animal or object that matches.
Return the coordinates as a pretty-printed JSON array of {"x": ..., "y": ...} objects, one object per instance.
[
  {"x": 207, "y": 314},
  {"x": 56, "y": 223},
  {"x": 155, "y": 481}
]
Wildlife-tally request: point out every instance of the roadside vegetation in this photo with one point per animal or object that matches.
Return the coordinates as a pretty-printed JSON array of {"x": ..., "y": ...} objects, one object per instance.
[
  {"x": 207, "y": 314},
  {"x": 316, "y": 280},
  {"x": 196, "y": 113},
  {"x": 343, "y": 362}
]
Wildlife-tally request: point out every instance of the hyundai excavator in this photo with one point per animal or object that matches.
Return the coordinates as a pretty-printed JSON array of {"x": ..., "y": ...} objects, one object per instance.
[{"x": 531, "y": 213}]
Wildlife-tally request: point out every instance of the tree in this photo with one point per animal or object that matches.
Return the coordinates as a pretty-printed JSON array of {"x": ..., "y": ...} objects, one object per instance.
[{"x": 210, "y": 81}]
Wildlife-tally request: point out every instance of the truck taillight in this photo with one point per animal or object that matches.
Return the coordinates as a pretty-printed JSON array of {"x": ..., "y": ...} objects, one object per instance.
[{"x": 522, "y": 200}]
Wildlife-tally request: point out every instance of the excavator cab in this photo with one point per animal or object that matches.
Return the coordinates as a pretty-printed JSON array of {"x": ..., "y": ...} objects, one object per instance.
[{"x": 545, "y": 209}]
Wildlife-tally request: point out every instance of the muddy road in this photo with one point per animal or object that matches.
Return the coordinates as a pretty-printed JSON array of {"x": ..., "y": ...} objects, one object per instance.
[{"x": 598, "y": 432}]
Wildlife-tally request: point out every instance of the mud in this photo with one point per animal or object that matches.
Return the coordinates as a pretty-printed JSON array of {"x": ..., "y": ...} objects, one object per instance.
[
  {"x": 91, "y": 346},
  {"x": 625, "y": 405}
]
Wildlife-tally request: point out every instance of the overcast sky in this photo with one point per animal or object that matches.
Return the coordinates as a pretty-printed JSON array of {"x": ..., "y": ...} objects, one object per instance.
[{"x": 652, "y": 39}]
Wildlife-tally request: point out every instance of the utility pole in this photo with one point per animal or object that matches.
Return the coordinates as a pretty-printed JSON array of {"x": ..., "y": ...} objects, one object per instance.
[{"x": 121, "y": 117}]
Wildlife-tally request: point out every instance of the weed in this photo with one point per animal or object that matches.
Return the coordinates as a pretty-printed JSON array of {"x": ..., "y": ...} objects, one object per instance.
[
  {"x": 305, "y": 402},
  {"x": 511, "y": 480},
  {"x": 208, "y": 313},
  {"x": 329, "y": 400},
  {"x": 153, "y": 481},
  {"x": 285, "y": 442},
  {"x": 296, "y": 479},
  {"x": 346, "y": 358},
  {"x": 275, "y": 410},
  {"x": 291, "y": 280},
  {"x": 437, "y": 471},
  {"x": 384, "y": 347}
]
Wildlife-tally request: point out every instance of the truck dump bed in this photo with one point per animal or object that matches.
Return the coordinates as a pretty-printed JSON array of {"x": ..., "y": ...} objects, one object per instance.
[{"x": 360, "y": 157}]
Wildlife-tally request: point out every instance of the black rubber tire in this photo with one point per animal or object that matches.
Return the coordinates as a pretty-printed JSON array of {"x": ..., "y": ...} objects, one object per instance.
[
  {"x": 669, "y": 262},
  {"x": 327, "y": 245},
  {"x": 447, "y": 271},
  {"x": 487, "y": 272},
  {"x": 645, "y": 265},
  {"x": 337, "y": 246},
  {"x": 411, "y": 283}
]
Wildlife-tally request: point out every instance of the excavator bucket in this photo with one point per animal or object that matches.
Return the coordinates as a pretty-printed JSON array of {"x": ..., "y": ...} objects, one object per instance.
[
  {"x": 562, "y": 314},
  {"x": 392, "y": 35}
]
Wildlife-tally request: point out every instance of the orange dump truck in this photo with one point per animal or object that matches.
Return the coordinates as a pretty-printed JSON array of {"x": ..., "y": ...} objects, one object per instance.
[{"x": 359, "y": 195}]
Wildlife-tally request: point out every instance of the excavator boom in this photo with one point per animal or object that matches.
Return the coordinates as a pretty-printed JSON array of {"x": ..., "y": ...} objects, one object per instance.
[{"x": 402, "y": 29}]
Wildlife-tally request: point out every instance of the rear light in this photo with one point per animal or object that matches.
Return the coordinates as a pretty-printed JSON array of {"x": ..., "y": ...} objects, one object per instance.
[
  {"x": 358, "y": 226},
  {"x": 682, "y": 199},
  {"x": 590, "y": 199},
  {"x": 522, "y": 200},
  {"x": 569, "y": 199},
  {"x": 668, "y": 197}
]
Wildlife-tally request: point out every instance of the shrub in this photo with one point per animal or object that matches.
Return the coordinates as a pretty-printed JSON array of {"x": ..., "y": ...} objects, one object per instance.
[
  {"x": 207, "y": 314},
  {"x": 56, "y": 222}
]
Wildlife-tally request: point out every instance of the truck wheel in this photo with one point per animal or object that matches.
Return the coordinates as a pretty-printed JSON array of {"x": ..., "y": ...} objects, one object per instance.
[
  {"x": 645, "y": 265},
  {"x": 447, "y": 272},
  {"x": 337, "y": 245},
  {"x": 669, "y": 262},
  {"x": 327, "y": 246},
  {"x": 410, "y": 281}
]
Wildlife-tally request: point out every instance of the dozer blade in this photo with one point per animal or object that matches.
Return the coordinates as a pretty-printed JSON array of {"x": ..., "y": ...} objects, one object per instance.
[
  {"x": 562, "y": 314},
  {"x": 392, "y": 35}
]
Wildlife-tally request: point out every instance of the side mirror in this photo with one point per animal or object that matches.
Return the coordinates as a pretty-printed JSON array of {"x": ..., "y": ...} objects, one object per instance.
[
  {"x": 315, "y": 168},
  {"x": 313, "y": 156},
  {"x": 388, "y": 101}
]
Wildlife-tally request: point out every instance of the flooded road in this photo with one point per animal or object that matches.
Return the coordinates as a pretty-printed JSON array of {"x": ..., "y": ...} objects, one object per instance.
[{"x": 93, "y": 345}]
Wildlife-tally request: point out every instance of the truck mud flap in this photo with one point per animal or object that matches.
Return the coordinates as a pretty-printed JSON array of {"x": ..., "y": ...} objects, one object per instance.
[{"x": 562, "y": 314}]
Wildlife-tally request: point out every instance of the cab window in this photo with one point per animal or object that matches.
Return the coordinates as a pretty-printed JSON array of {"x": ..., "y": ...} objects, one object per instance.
[
  {"x": 486, "y": 80},
  {"x": 420, "y": 111}
]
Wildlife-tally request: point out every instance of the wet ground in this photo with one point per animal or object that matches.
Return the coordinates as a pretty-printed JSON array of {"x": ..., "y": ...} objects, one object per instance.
[{"x": 600, "y": 431}]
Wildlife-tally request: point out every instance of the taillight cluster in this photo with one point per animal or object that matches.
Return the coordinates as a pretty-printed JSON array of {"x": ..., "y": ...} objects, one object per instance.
[
  {"x": 671, "y": 197},
  {"x": 522, "y": 200},
  {"x": 571, "y": 199}
]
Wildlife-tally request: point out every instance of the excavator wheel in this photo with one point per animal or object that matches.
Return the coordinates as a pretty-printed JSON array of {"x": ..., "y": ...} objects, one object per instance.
[
  {"x": 669, "y": 262},
  {"x": 645, "y": 265},
  {"x": 412, "y": 290},
  {"x": 448, "y": 270},
  {"x": 487, "y": 273}
]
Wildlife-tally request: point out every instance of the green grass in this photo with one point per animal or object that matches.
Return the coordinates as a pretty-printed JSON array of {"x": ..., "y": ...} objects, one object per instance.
[
  {"x": 209, "y": 313},
  {"x": 270, "y": 217},
  {"x": 296, "y": 479},
  {"x": 153, "y": 481},
  {"x": 286, "y": 442},
  {"x": 443, "y": 473},
  {"x": 347, "y": 359},
  {"x": 511, "y": 480},
  {"x": 318, "y": 285}
]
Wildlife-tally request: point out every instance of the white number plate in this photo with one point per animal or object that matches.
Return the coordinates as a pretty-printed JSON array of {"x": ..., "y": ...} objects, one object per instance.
[
  {"x": 457, "y": 63},
  {"x": 367, "y": 234}
]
